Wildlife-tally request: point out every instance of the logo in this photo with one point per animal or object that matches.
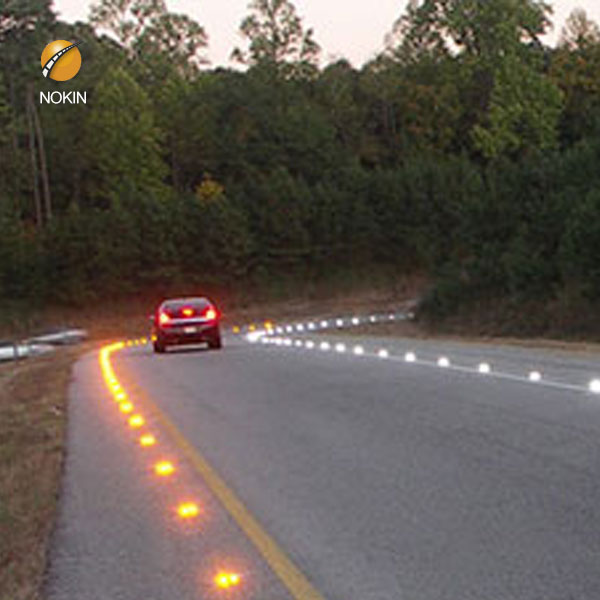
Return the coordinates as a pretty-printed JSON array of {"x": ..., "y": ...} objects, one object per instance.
[
  {"x": 61, "y": 60},
  {"x": 63, "y": 98}
]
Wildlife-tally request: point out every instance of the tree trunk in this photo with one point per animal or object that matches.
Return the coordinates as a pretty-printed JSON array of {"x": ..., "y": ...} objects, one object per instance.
[
  {"x": 174, "y": 167},
  {"x": 15, "y": 145},
  {"x": 42, "y": 153},
  {"x": 34, "y": 170}
]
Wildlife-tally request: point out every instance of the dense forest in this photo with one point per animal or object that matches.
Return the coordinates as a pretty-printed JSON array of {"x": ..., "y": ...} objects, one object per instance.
[{"x": 468, "y": 151}]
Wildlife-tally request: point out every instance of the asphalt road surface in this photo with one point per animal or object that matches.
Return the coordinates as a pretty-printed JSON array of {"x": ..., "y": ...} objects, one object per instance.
[{"x": 377, "y": 479}]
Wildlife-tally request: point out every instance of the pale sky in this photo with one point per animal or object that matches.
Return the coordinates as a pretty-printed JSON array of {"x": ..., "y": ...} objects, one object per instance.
[{"x": 353, "y": 29}]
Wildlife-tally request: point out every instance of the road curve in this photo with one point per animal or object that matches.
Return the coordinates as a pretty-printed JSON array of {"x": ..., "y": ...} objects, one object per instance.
[{"x": 378, "y": 479}]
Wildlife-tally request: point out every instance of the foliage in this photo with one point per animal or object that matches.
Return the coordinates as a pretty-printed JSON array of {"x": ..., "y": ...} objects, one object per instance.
[
  {"x": 123, "y": 141},
  {"x": 149, "y": 32},
  {"x": 467, "y": 151},
  {"x": 277, "y": 41},
  {"x": 523, "y": 114},
  {"x": 581, "y": 245},
  {"x": 478, "y": 29}
]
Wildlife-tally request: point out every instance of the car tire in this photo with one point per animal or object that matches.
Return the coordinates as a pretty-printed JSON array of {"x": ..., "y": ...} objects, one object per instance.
[
  {"x": 159, "y": 348},
  {"x": 215, "y": 343}
]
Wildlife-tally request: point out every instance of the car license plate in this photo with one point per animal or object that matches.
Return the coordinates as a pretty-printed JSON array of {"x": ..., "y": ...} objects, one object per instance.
[{"x": 190, "y": 330}]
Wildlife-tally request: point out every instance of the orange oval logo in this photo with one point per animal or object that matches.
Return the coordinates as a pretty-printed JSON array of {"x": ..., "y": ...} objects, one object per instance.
[{"x": 61, "y": 60}]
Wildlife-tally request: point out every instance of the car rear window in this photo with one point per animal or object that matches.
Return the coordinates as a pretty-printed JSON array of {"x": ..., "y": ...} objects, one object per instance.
[{"x": 176, "y": 308}]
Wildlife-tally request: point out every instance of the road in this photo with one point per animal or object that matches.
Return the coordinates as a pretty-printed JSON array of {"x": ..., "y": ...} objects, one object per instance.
[{"x": 376, "y": 479}]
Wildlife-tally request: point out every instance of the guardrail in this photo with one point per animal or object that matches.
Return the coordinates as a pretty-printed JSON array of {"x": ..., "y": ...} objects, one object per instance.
[
  {"x": 16, "y": 350},
  {"x": 60, "y": 338}
]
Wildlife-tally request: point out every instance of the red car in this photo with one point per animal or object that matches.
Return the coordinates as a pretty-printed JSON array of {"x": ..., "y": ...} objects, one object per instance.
[{"x": 181, "y": 321}]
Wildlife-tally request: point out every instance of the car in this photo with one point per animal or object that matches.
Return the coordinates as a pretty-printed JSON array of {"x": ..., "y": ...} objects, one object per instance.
[{"x": 180, "y": 321}]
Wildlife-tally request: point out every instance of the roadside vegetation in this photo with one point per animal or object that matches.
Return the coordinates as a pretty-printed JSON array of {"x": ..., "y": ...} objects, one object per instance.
[
  {"x": 467, "y": 153},
  {"x": 33, "y": 396}
]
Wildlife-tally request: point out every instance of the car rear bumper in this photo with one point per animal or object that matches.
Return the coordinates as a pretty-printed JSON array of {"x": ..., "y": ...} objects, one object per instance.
[{"x": 191, "y": 334}]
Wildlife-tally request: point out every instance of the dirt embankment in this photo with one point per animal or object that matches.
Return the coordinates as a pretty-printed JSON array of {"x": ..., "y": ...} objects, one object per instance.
[{"x": 33, "y": 419}]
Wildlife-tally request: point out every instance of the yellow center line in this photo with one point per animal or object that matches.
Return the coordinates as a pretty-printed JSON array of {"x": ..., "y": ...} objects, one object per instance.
[{"x": 289, "y": 574}]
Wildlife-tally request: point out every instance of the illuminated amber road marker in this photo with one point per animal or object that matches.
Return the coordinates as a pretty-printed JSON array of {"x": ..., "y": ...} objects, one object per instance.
[
  {"x": 120, "y": 397},
  {"x": 164, "y": 468},
  {"x": 225, "y": 580},
  {"x": 126, "y": 407},
  {"x": 147, "y": 440},
  {"x": 188, "y": 510},
  {"x": 136, "y": 421}
]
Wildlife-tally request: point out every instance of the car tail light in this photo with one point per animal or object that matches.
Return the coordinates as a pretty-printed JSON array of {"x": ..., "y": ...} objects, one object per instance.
[
  {"x": 163, "y": 318},
  {"x": 210, "y": 314},
  {"x": 188, "y": 312}
]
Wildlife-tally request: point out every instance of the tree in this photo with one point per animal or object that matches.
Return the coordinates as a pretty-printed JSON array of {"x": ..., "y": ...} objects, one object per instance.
[
  {"x": 18, "y": 19},
  {"x": 523, "y": 113},
  {"x": 416, "y": 35},
  {"x": 123, "y": 141},
  {"x": 218, "y": 232},
  {"x": 416, "y": 106},
  {"x": 277, "y": 41},
  {"x": 25, "y": 28},
  {"x": 497, "y": 45},
  {"x": 581, "y": 245},
  {"x": 149, "y": 32},
  {"x": 575, "y": 69},
  {"x": 5, "y": 134},
  {"x": 476, "y": 28},
  {"x": 579, "y": 31},
  {"x": 20, "y": 273}
]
